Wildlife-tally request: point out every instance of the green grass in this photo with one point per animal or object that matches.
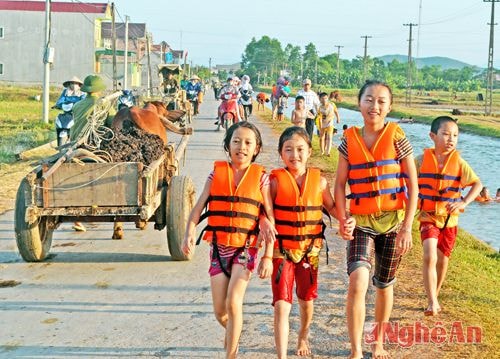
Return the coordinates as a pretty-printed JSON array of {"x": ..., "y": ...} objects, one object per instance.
[{"x": 21, "y": 125}]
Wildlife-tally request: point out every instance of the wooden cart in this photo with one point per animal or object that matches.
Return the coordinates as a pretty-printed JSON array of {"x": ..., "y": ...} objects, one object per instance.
[{"x": 103, "y": 192}]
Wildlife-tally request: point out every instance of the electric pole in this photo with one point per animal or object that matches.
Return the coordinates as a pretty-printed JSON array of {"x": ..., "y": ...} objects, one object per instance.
[
  {"x": 113, "y": 44},
  {"x": 489, "y": 78},
  {"x": 148, "y": 50},
  {"x": 125, "y": 58},
  {"x": 46, "y": 65},
  {"x": 408, "y": 74},
  {"x": 365, "y": 56},
  {"x": 210, "y": 66},
  {"x": 338, "y": 64}
]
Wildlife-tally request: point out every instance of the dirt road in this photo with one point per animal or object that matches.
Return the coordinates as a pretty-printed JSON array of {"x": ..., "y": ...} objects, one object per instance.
[{"x": 97, "y": 297}]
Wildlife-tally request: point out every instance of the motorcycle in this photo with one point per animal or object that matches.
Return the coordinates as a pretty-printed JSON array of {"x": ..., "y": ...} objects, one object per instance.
[
  {"x": 246, "y": 101},
  {"x": 192, "y": 96},
  {"x": 64, "y": 122},
  {"x": 229, "y": 111},
  {"x": 126, "y": 99}
]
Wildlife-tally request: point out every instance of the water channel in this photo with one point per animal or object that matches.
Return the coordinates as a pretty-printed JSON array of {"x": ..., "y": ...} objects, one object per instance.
[{"x": 482, "y": 153}]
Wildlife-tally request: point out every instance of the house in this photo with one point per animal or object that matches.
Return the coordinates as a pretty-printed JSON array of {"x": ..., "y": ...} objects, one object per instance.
[{"x": 75, "y": 35}]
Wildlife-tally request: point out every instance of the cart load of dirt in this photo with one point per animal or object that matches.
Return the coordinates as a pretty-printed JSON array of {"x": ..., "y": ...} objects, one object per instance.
[{"x": 132, "y": 144}]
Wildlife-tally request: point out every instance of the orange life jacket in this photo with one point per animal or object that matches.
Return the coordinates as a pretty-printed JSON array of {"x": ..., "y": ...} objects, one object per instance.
[
  {"x": 297, "y": 211},
  {"x": 375, "y": 176},
  {"x": 437, "y": 188},
  {"x": 233, "y": 212}
]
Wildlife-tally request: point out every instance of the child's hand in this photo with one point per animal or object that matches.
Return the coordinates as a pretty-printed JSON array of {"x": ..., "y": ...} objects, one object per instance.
[
  {"x": 188, "y": 245},
  {"x": 265, "y": 267},
  {"x": 456, "y": 207},
  {"x": 404, "y": 240},
  {"x": 346, "y": 229},
  {"x": 267, "y": 231}
]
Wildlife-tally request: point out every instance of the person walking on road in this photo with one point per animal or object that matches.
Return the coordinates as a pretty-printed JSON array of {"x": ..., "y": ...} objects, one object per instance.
[
  {"x": 311, "y": 103},
  {"x": 233, "y": 226}
]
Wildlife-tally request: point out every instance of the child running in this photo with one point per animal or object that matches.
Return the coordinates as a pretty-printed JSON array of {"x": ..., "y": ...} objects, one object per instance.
[
  {"x": 377, "y": 162},
  {"x": 235, "y": 192},
  {"x": 327, "y": 111},
  {"x": 299, "y": 194},
  {"x": 299, "y": 114},
  {"x": 442, "y": 174}
]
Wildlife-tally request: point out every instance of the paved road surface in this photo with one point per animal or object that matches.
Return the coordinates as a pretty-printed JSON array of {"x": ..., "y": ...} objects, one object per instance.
[{"x": 100, "y": 298}]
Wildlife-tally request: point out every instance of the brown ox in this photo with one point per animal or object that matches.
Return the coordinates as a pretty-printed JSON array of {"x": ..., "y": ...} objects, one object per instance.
[{"x": 152, "y": 118}]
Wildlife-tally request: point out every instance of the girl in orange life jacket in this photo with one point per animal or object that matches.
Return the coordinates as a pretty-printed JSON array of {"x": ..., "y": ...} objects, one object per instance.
[
  {"x": 235, "y": 192},
  {"x": 377, "y": 162},
  {"x": 299, "y": 195}
]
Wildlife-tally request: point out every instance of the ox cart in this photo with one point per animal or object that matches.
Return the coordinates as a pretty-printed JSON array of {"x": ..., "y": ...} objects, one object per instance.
[{"x": 103, "y": 192}]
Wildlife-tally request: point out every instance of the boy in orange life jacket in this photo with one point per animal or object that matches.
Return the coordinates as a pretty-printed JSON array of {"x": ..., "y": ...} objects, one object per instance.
[
  {"x": 235, "y": 192},
  {"x": 442, "y": 176},
  {"x": 377, "y": 162},
  {"x": 299, "y": 194}
]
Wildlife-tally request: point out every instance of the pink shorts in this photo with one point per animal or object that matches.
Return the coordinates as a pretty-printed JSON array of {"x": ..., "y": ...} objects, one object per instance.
[
  {"x": 230, "y": 256},
  {"x": 446, "y": 236},
  {"x": 304, "y": 276}
]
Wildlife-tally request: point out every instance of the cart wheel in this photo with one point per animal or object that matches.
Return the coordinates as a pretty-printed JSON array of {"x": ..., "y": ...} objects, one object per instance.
[
  {"x": 180, "y": 201},
  {"x": 33, "y": 240}
]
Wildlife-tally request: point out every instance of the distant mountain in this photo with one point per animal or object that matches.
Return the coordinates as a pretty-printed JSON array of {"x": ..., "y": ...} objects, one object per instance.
[{"x": 445, "y": 62}]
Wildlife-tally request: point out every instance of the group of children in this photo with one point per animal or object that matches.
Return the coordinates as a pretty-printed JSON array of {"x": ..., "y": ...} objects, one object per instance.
[
  {"x": 283, "y": 212},
  {"x": 326, "y": 114}
]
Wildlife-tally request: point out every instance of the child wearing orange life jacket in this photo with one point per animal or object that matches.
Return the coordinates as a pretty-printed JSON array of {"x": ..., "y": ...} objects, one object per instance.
[
  {"x": 442, "y": 176},
  {"x": 235, "y": 192},
  {"x": 377, "y": 163},
  {"x": 299, "y": 194}
]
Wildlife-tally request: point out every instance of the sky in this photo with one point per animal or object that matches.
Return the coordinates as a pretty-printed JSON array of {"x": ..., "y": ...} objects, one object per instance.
[{"x": 220, "y": 30}]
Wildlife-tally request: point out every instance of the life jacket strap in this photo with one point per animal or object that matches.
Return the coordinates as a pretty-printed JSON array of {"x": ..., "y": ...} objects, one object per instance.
[
  {"x": 372, "y": 179},
  {"x": 297, "y": 208},
  {"x": 439, "y": 176},
  {"x": 377, "y": 193},
  {"x": 235, "y": 199},
  {"x": 373, "y": 164},
  {"x": 438, "y": 198}
]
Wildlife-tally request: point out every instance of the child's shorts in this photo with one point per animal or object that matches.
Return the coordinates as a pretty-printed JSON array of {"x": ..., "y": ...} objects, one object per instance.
[
  {"x": 230, "y": 256},
  {"x": 302, "y": 274},
  {"x": 446, "y": 236},
  {"x": 362, "y": 249}
]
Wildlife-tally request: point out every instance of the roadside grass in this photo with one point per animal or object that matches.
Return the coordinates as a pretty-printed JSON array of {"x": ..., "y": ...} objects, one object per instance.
[
  {"x": 470, "y": 292},
  {"x": 21, "y": 125}
]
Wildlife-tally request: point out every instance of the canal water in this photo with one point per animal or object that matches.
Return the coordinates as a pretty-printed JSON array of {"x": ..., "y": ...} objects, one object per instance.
[{"x": 482, "y": 153}]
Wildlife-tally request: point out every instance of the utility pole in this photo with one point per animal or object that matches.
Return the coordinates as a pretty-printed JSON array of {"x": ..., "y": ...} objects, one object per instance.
[
  {"x": 489, "y": 78},
  {"x": 113, "y": 44},
  {"x": 366, "y": 37},
  {"x": 210, "y": 66},
  {"x": 408, "y": 74},
  {"x": 338, "y": 64},
  {"x": 46, "y": 65},
  {"x": 148, "y": 50},
  {"x": 125, "y": 58},
  {"x": 316, "y": 72}
]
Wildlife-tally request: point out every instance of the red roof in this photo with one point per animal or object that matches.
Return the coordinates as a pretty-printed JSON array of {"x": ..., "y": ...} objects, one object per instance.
[{"x": 88, "y": 8}]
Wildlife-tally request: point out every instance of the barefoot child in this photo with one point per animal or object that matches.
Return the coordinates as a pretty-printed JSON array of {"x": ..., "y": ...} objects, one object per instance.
[
  {"x": 377, "y": 162},
  {"x": 299, "y": 194},
  {"x": 326, "y": 111},
  {"x": 442, "y": 176},
  {"x": 235, "y": 192},
  {"x": 299, "y": 114}
]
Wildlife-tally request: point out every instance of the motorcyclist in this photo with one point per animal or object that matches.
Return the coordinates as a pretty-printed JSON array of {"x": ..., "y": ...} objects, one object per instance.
[
  {"x": 246, "y": 91},
  {"x": 193, "y": 88},
  {"x": 229, "y": 92},
  {"x": 170, "y": 88},
  {"x": 71, "y": 92}
]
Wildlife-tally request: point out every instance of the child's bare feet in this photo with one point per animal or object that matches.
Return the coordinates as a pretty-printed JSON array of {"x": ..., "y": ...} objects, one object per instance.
[
  {"x": 303, "y": 348},
  {"x": 432, "y": 310},
  {"x": 378, "y": 351}
]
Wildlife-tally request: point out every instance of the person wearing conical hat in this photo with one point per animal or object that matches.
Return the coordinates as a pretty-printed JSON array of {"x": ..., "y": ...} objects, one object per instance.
[{"x": 71, "y": 92}]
